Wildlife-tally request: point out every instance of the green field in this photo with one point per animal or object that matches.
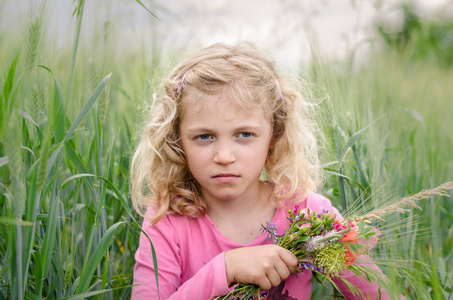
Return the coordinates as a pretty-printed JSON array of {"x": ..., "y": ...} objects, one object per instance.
[{"x": 68, "y": 126}]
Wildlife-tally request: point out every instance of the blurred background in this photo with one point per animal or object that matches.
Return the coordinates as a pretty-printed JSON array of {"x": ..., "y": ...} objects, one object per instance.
[
  {"x": 76, "y": 83},
  {"x": 285, "y": 27}
]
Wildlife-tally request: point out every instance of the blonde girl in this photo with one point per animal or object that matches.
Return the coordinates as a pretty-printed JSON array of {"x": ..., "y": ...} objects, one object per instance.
[{"x": 227, "y": 148}]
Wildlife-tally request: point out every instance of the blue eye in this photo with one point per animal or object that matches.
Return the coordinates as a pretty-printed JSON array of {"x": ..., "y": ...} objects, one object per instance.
[
  {"x": 204, "y": 137},
  {"x": 245, "y": 134}
]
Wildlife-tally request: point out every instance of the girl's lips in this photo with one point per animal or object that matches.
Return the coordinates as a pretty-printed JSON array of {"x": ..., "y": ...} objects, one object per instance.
[{"x": 225, "y": 178}]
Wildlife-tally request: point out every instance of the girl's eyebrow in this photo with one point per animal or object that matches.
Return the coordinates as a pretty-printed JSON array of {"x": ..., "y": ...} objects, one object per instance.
[
  {"x": 249, "y": 128},
  {"x": 196, "y": 129}
]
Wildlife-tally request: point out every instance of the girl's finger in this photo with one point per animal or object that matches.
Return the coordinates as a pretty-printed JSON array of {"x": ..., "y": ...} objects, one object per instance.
[
  {"x": 274, "y": 277},
  {"x": 283, "y": 271},
  {"x": 290, "y": 260}
]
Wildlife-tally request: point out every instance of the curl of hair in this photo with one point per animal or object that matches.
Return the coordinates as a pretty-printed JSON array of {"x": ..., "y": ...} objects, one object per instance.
[{"x": 159, "y": 172}]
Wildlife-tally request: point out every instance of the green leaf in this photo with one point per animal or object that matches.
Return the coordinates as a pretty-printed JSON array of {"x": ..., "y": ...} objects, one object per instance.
[
  {"x": 29, "y": 118},
  {"x": 361, "y": 226},
  {"x": 355, "y": 247},
  {"x": 8, "y": 87},
  {"x": 38, "y": 273},
  {"x": 352, "y": 140},
  {"x": 84, "y": 111},
  {"x": 105, "y": 274},
  {"x": 80, "y": 8},
  {"x": 367, "y": 236},
  {"x": 346, "y": 177},
  {"x": 58, "y": 112},
  {"x": 87, "y": 273},
  {"x": 75, "y": 177},
  {"x": 78, "y": 163},
  {"x": 351, "y": 287},
  {"x": 303, "y": 238},
  {"x": 418, "y": 117},
  {"x": 140, "y": 2},
  {"x": 93, "y": 293},
  {"x": 32, "y": 296},
  {"x": 86, "y": 108},
  {"x": 50, "y": 237},
  {"x": 12, "y": 221},
  {"x": 3, "y": 161},
  {"x": 367, "y": 229},
  {"x": 123, "y": 200},
  {"x": 153, "y": 254}
]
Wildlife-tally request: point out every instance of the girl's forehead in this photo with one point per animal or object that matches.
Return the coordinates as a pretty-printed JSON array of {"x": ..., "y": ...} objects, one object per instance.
[
  {"x": 212, "y": 105},
  {"x": 220, "y": 113},
  {"x": 194, "y": 102}
]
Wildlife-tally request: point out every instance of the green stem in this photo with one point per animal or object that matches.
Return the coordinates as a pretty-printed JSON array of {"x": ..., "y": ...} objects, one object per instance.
[{"x": 76, "y": 45}]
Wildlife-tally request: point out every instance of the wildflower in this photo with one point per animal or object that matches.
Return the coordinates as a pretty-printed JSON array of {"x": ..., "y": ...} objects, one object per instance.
[
  {"x": 350, "y": 237},
  {"x": 309, "y": 266},
  {"x": 320, "y": 241},
  {"x": 324, "y": 210},
  {"x": 349, "y": 256},
  {"x": 272, "y": 230},
  {"x": 340, "y": 226},
  {"x": 304, "y": 228},
  {"x": 331, "y": 259},
  {"x": 305, "y": 213}
]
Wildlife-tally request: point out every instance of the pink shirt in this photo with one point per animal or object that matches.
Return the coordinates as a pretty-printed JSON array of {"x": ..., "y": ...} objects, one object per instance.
[{"x": 191, "y": 264}]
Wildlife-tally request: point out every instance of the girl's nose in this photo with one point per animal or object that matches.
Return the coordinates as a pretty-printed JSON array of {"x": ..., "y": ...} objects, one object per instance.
[{"x": 224, "y": 153}]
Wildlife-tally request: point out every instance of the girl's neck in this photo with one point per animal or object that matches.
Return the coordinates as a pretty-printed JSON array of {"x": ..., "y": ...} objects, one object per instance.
[
  {"x": 240, "y": 220},
  {"x": 256, "y": 200}
]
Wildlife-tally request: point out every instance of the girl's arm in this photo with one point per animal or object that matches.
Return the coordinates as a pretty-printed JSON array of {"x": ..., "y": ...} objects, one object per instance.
[{"x": 208, "y": 282}]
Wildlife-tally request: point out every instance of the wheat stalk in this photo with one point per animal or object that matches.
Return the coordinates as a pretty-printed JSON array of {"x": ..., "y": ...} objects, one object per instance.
[
  {"x": 92, "y": 74},
  {"x": 34, "y": 35},
  {"x": 103, "y": 103},
  {"x": 93, "y": 81},
  {"x": 68, "y": 272},
  {"x": 38, "y": 103},
  {"x": 410, "y": 201},
  {"x": 12, "y": 144}
]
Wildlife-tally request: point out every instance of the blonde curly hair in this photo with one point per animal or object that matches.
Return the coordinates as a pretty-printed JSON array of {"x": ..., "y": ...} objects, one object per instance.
[{"x": 160, "y": 174}]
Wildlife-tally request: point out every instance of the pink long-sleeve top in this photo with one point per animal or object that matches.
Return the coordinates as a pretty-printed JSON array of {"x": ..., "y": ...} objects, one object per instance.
[{"x": 191, "y": 264}]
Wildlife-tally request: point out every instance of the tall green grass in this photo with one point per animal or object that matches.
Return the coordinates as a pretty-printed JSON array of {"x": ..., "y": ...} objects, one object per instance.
[
  {"x": 67, "y": 131},
  {"x": 389, "y": 132},
  {"x": 67, "y": 229}
]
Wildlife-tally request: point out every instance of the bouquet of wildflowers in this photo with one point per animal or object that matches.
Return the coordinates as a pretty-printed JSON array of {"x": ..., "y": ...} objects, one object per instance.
[
  {"x": 328, "y": 246},
  {"x": 322, "y": 243}
]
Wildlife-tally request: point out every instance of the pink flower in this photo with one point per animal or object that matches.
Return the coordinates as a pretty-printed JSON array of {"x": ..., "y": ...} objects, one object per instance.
[{"x": 305, "y": 213}]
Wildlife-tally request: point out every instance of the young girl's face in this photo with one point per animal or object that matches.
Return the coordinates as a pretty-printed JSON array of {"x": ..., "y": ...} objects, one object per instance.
[{"x": 226, "y": 147}]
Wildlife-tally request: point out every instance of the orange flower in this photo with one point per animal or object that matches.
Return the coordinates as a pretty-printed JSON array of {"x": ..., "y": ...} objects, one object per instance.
[
  {"x": 350, "y": 237},
  {"x": 349, "y": 256}
]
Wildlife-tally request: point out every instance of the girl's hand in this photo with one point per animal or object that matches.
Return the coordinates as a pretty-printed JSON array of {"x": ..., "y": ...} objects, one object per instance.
[{"x": 266, "y": 265}]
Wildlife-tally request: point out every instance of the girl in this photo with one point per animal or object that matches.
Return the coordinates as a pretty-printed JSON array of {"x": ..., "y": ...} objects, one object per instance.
[{"x": 228, "y": 148}]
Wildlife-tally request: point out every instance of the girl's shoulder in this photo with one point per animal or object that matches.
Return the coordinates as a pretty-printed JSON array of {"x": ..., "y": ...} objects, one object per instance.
[{"x": 168, "y": 223}]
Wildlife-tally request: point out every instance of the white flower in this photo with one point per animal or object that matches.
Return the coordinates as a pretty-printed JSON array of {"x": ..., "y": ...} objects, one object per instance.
[{"x": 320, "y": 241}]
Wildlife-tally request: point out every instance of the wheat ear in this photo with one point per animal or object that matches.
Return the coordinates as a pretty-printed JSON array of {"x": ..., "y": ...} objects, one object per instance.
[{"x": 401, "y": 205}]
